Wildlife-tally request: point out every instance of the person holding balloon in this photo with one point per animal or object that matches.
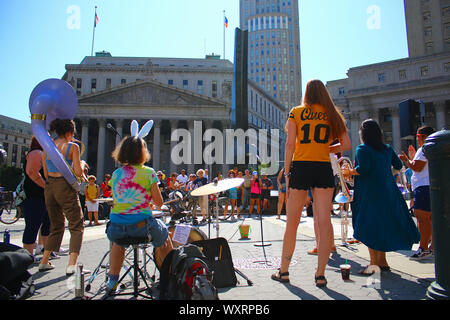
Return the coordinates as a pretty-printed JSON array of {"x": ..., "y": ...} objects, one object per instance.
[{"x": 61, "y": 198}]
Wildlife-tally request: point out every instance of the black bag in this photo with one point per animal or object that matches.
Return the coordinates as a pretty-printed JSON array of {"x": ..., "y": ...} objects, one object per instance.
[
  {"x": 15, "y": 281},
  {"x": 184, "y": 275},
  {"x": 218, "y": 257}
]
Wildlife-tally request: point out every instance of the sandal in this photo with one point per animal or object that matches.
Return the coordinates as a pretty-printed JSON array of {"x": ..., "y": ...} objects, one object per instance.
[
  {"x": 364, "y": 272},
  {"x": 320, "y": 278},
  {"x": 278, "y": 276}
]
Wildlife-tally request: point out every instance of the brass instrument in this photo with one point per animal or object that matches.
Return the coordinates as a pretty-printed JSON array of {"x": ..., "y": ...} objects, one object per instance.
[
  {"x": 345, "y": 195},
  {"x": 341, "y": 164}
]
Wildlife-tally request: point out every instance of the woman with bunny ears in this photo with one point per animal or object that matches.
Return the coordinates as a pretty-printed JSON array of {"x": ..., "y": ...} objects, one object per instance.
[{"x": 134, "y": 187}]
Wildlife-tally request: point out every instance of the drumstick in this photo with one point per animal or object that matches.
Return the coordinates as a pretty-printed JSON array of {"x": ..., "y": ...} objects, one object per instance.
[{"x": 220, "y": 253}]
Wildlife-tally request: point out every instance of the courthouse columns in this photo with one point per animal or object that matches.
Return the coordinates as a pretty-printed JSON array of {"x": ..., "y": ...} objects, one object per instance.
[
  {"x": 85, "y": 137},
  {"x": 119, "y": 128},
  {"x": 225, "y": 166},
  {"x": 156, "y": 154},
  {"x": 440, "y": 108},
  {"x": 101, "y": 149},
  {"x": 173, "y": 127},
  {"x": 190, "y": 164},
  {"x": 354, "y": 131},
  {"x": 396, "y": 144}
]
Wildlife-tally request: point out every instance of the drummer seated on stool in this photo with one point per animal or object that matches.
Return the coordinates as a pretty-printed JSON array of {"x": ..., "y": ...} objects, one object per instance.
[{"x": 134, "y": 186}]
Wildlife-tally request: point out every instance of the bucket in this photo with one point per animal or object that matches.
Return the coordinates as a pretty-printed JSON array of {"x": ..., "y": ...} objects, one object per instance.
[{"x": 244, "y": 229}]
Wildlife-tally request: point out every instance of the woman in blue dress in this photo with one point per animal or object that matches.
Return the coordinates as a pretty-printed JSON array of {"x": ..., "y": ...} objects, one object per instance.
[{"x": 380, "y": 216}]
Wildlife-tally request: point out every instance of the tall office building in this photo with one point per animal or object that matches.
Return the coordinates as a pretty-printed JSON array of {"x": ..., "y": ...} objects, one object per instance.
[
  {"x": 428, "y": 26},
  {"x": 274, "y": 47}
]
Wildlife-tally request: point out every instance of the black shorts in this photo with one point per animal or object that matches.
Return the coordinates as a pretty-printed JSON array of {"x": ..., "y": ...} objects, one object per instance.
[
  {"x": 254, "y": 196},
  {"x": 311, "y": 174}
]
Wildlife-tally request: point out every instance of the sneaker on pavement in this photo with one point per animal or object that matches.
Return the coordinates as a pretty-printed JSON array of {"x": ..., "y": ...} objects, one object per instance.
[
  {"x": 70, "y": 270},
  {"x": 421, "y": 254},
  {"x": 62, "y": 251},
  {"x": 54, "y": 256},
  {"x": 46, "y": 267},
  {"x": 38, "y": 250}
]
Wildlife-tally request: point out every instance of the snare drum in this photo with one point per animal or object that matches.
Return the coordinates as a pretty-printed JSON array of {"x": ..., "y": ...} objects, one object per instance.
[{"x": 194, "y": 235}]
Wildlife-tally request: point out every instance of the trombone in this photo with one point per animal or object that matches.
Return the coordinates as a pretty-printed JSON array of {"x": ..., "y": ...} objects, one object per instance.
[{"x": 345, "y": 195}]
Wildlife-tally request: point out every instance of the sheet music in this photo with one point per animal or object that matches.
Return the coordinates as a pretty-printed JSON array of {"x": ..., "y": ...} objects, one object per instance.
[{"x": 181, "y": 233}]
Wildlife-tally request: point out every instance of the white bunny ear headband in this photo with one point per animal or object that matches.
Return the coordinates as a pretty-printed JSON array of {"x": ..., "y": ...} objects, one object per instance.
[{"x": 143, "y": 132}]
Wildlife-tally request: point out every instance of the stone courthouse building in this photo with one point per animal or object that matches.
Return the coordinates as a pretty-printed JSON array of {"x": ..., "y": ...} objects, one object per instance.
[
  {"x": 375, "y": 91},
  {"x": 174, "y": 92}
]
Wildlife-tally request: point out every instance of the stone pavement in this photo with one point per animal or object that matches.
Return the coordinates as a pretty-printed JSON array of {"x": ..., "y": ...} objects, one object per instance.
[{"x": 408, "y": 279}]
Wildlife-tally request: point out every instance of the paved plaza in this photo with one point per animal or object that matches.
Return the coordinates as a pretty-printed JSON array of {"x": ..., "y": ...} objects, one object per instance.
[{"x": 408, "y": 279}]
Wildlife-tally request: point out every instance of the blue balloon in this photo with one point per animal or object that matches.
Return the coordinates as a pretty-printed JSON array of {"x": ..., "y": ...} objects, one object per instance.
[{"x": 52, "y": 99}]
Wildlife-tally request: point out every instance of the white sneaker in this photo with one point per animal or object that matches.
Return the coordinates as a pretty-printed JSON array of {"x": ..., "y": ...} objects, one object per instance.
[
  {"x": 421, "y": 254},
  {"x": 62, "y": 251},
  {"x": 70, "y": 270},
  {"x": 46, "y": 267},
  {"x": 38, "y": 250}
]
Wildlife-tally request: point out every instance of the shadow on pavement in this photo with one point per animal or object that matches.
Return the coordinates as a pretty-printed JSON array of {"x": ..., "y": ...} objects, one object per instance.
[
  {"x": 302, "y": 294},
  {"x": 392, "y": 284}
]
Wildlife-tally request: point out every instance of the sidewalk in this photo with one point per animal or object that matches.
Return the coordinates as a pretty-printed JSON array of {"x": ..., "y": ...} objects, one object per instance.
[{"x": 408, "y": 280}]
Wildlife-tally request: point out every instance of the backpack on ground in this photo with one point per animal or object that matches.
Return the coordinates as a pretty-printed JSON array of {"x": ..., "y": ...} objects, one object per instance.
[
  {"x": 184, "y": 275},
  {"x": 15, "y": 281},
  {"x": 218, "y": 257}
]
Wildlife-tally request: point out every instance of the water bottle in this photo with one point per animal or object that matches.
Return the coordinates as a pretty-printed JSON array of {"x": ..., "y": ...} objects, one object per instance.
[
  {"x": 79, "y": 281},
  {"x": 6, "y": 236}
]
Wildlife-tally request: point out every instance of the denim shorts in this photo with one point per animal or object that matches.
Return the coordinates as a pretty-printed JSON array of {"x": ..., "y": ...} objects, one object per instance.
[{"x": 153, "y": 227}]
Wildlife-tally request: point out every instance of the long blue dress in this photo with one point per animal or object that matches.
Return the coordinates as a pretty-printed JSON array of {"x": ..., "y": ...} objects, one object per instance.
[{"x": 380, "y": 216}]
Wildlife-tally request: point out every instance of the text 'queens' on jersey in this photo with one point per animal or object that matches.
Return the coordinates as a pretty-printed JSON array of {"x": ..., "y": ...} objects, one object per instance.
[{"x": 313, "y": 133}]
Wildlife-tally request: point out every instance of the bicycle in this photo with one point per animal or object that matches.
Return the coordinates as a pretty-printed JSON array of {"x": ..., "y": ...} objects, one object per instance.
[{"x": 7, "y": 214}]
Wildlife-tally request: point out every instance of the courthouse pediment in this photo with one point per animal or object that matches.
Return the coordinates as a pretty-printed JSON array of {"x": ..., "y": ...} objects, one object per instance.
[{"x": 148, "y": 93}]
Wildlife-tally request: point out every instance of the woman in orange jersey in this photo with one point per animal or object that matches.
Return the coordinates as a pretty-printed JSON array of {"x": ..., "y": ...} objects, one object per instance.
[{"x": 311, "y": 128}]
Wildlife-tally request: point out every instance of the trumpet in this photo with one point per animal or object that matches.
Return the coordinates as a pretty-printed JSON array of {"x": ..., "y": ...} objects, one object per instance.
[{"x": 339, "y": 165}]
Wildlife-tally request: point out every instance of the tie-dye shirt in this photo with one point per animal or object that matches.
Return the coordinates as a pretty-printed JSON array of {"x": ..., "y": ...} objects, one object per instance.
[{"x": 131, "y": 193}]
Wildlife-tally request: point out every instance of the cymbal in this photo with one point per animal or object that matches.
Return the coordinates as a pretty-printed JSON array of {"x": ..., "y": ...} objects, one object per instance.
[{"x": 222, "y": 185}]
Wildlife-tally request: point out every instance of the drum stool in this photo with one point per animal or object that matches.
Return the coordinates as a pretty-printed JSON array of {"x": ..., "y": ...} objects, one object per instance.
[{"x": 136, "y": 244}]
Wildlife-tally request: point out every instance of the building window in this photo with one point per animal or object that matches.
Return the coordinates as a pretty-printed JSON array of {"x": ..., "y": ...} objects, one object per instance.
[
  {"x": 429, "y": 47},
  {"x": 108, "y": 83},
  {"x": 427, "y": 16},
  {"x": 170, "y": 82},
  {"x": 93, "y": 85},
  {"x": 123, "y": 81},
  {"x": 200, "y": 86},
  {"x": 381, "y": 77},
  {"x": 185, "y": 84},
  {"x": 428, "y": 32},
  {"x": 447, "y": 67},
  {"x": 79, "y": 84},
  {"x": 214, "y": 89},
  {"x": 446, "y": 11},
  {"x": 341, "y": 91},
  {"x": 424, "y": 71},
  {"x": 402, "y": 74}
]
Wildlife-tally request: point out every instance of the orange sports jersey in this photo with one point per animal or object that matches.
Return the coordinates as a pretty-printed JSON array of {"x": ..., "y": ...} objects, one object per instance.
[{"x": 313, "y": 133}]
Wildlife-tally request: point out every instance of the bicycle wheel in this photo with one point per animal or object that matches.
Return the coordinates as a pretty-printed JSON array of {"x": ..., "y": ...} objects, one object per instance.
[
  {"x": 8, "y": 215},
  {"x": 222, "y": 203}
]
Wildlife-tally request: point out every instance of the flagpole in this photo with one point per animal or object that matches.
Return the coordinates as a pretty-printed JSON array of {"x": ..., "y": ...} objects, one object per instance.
[
  {"x": 93, "y": 33},
  {"x": 223, "y": 34}
]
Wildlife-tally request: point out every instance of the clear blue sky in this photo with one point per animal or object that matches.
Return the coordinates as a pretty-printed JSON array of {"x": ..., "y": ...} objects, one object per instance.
[{"x": 36, "y": 41}]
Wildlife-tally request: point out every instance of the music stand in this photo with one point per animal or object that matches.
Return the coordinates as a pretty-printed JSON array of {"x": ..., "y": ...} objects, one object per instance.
[{"x": 260, "y": 244}]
